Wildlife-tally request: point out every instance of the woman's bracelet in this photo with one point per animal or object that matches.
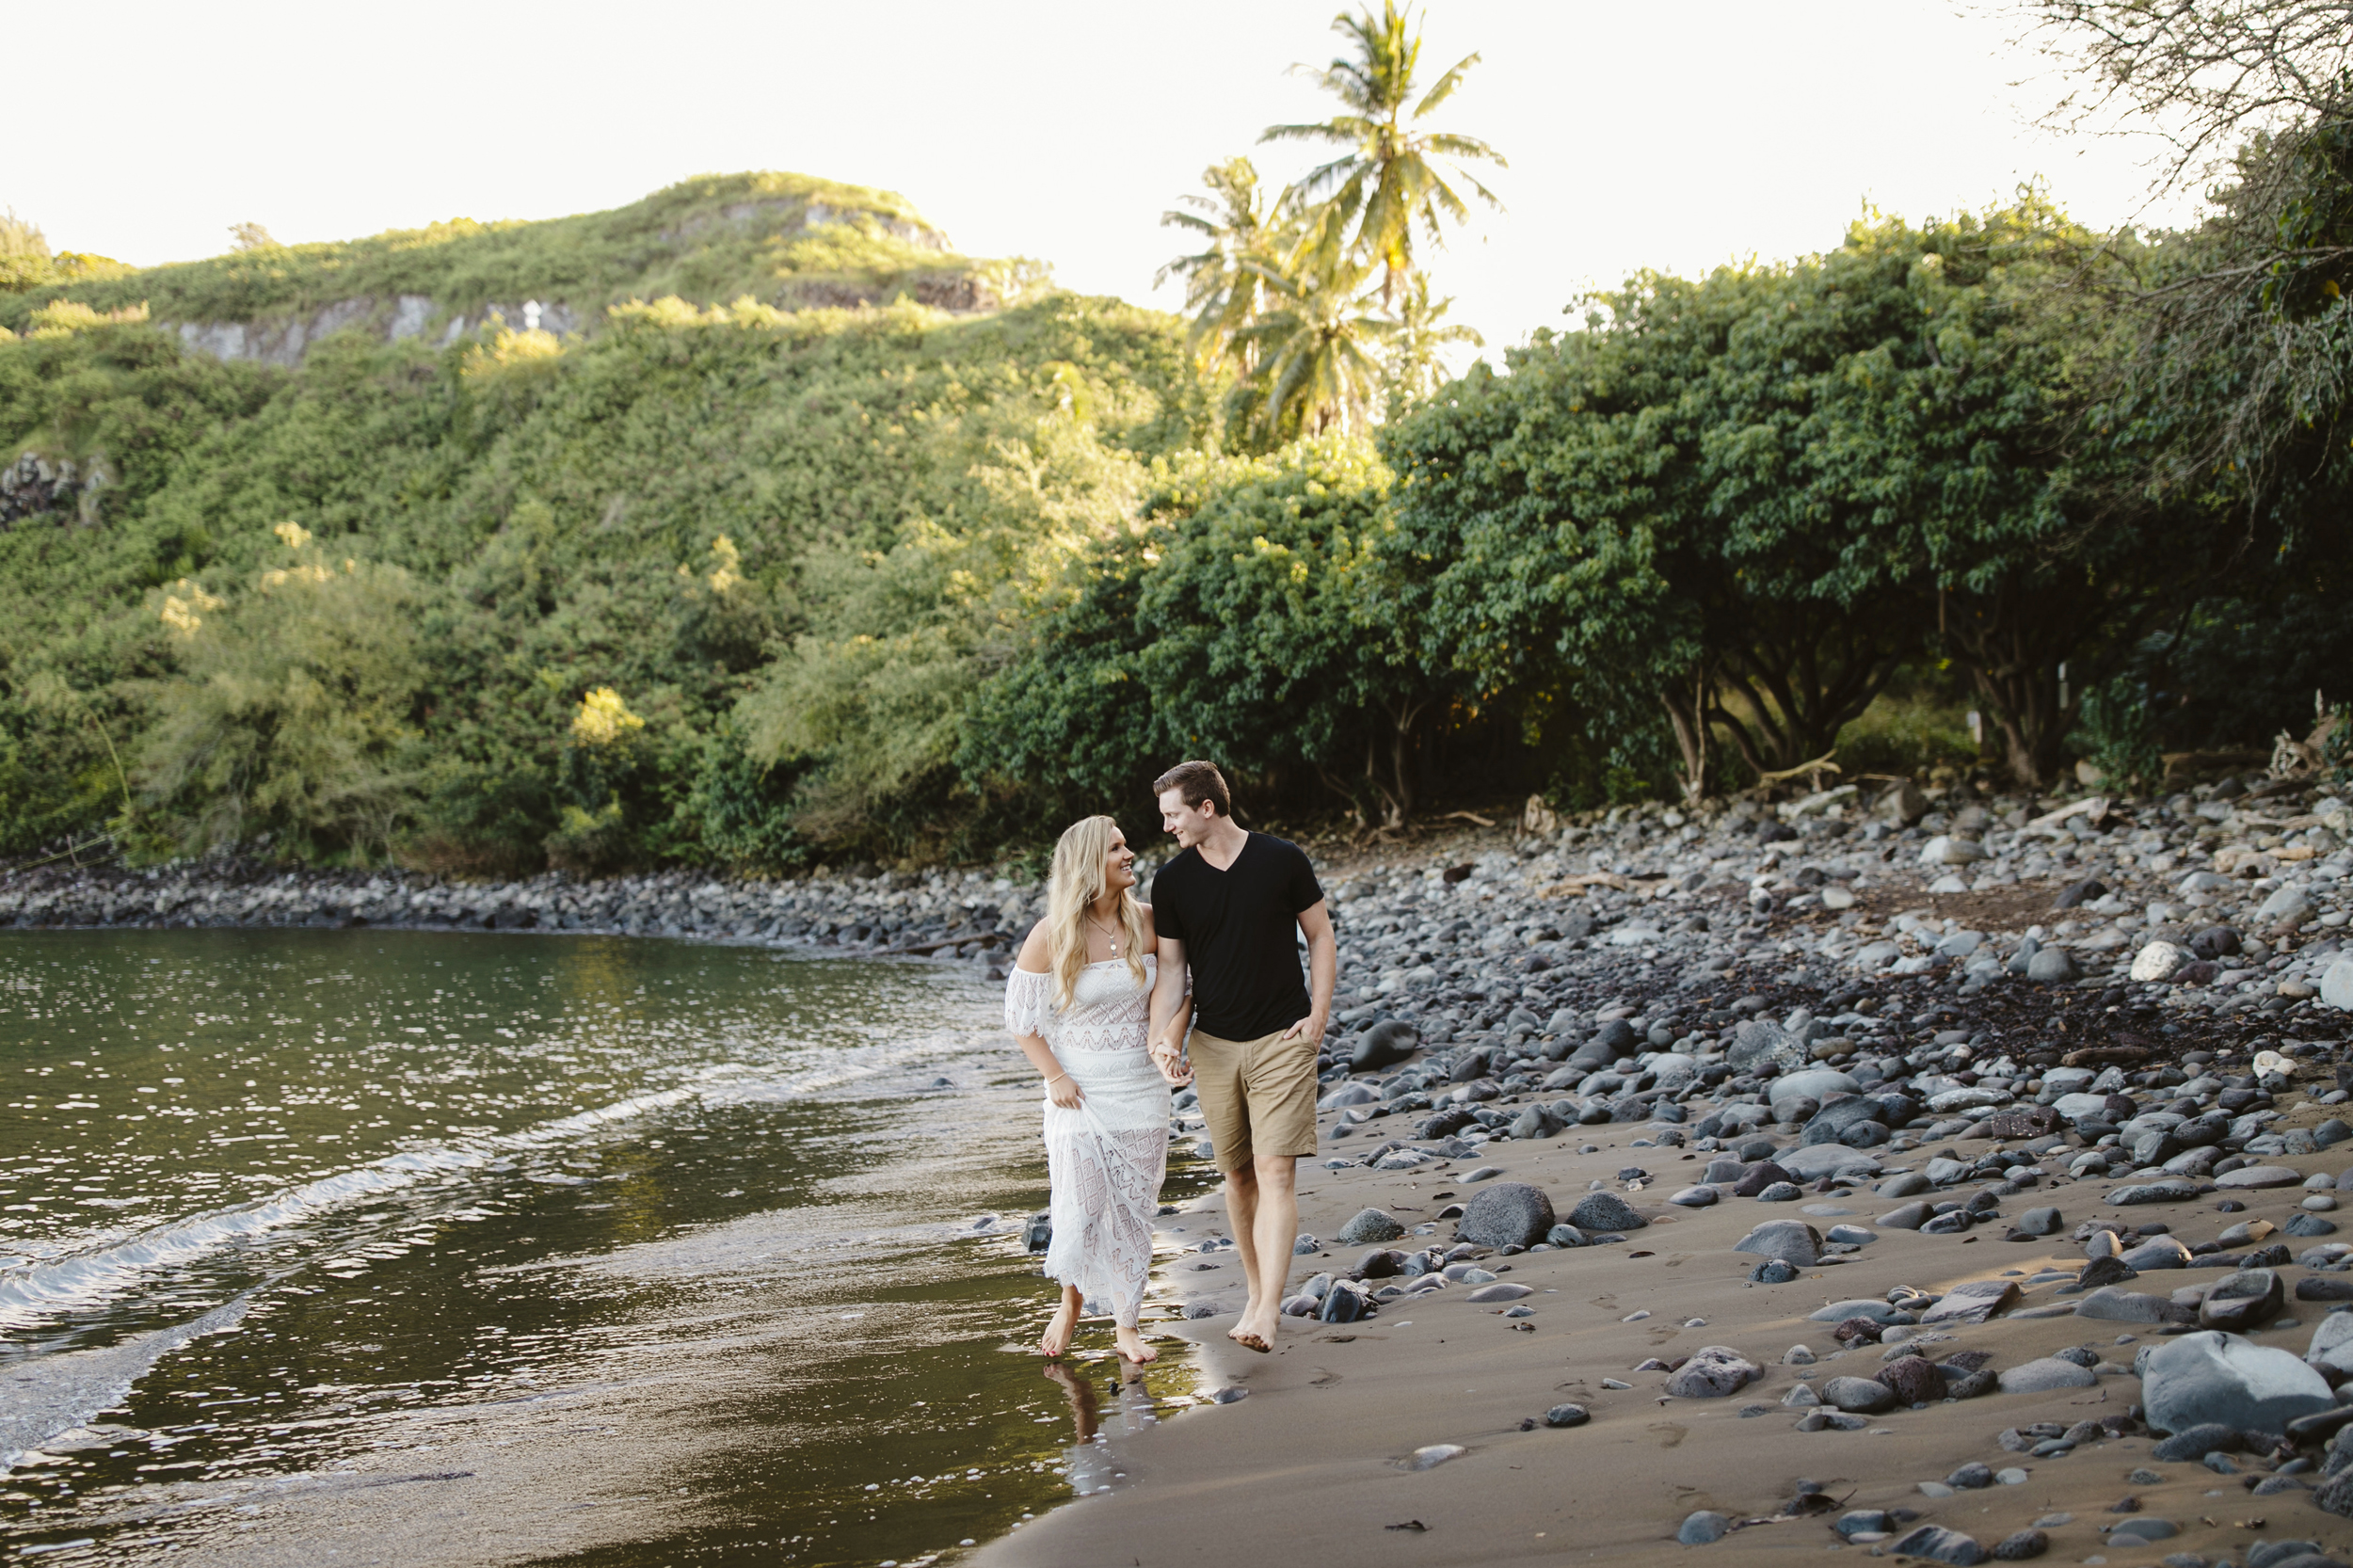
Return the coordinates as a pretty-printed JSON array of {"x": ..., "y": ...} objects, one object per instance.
[{"x": 1056, "y": 1079}]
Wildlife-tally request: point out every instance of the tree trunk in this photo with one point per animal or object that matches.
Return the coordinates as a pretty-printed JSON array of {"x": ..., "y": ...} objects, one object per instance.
[
  {"x": 2012, "y": 642},
  {"x": 1688, "y": 715}
]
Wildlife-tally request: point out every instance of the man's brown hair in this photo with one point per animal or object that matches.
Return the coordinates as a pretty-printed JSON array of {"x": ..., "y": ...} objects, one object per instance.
[{"x": 1198, "y": 782}]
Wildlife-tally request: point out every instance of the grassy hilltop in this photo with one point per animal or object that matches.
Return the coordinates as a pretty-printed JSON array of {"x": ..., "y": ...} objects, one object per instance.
[
  {"x": 784, "y": 239},
  {"x": 707, "y": 579}
]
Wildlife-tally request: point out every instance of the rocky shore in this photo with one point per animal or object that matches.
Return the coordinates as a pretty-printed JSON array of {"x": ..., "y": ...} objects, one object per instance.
[
  {"x": 936, "y": 914},
  {"x": 1632, "y": 1127},
  {"x": 1635, "y": 1127}
]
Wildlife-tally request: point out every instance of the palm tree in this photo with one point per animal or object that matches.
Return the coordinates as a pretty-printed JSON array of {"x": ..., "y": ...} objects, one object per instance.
[
  {"x": 1365, "y": 203},
  {"x": 1317, "y": 351},
  {"x": 1415, "y": 371},
  {"x": 1248, "y": 238}
]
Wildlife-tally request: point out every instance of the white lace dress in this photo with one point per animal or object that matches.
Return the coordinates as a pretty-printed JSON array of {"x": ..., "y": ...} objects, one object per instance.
[{"x": 1106, "y": 1157}]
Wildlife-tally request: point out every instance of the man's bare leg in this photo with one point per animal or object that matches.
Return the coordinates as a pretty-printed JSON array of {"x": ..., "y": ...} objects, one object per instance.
[
  {"x": 1273, "y": 1231},
  {"x": 1241, "y": 1214}
]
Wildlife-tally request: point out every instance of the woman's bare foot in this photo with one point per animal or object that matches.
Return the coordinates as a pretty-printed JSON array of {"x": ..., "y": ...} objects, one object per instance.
[
  {"x": 1131, "y": 1345},
  {"x": 1056, "y": 1339}
]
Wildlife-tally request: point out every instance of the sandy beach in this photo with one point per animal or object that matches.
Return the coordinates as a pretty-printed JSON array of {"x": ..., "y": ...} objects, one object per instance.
[{"x": 1313, "y": 1458}]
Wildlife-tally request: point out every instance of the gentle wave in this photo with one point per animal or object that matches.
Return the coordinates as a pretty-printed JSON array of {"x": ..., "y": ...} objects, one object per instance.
[{"x": 52, "y": 1289}]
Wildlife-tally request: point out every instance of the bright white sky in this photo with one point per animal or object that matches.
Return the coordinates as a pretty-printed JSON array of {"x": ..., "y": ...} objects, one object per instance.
[{"x": 1675, "y": 135}]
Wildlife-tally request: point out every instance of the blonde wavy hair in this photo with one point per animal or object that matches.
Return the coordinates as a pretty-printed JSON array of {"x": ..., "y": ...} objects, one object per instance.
[{"x": 1074, "y": 884}]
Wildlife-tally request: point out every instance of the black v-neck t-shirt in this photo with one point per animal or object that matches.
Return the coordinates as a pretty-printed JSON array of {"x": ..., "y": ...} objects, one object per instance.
[{"x": 1241, "y": 930}]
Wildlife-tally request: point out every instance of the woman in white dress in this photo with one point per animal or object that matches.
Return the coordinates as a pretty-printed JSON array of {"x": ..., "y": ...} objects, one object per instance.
[{"x": 1078, "y": 1003}]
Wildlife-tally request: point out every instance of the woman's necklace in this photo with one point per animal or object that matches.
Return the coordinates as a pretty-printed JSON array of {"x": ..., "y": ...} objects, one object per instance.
[{"x": 1111, "y": 933}]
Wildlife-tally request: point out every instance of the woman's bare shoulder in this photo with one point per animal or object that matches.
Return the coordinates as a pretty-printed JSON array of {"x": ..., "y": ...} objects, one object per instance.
[{"x": 1037, "y": 950}]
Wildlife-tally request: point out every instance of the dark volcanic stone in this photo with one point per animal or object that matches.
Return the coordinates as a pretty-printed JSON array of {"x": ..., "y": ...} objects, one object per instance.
[
  {"x": 1757, "y": 1177},
  {"x": 1508, "y": 1214},
  {"x": 1384, "y": 1045},
  {"x": 1604, "y": 1211},
  {"x": 1939, "y": 1544},
  {"x": 1370, "y": 1224},
  {"x": 1914, "y": 1379}
]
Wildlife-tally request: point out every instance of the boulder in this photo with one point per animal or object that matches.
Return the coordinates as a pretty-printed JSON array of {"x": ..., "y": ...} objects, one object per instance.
[
  {"x": 1384, "y": 1045},
  {"x": 1812, "y": 1164},
  {"x": 1872, "y": 1308},
  {"x": 2169, "y": 1190},
  {"x": 2260, "y": 1176},
  {"x": 1757, "y": 1177},
  {"x": 2043, "y": 1376},
  {"x": 1912, "y": 1216},
  {"x": 1915, "y": 1378},
  {"x": 1859, "y": 1396},
  {"x": 1759, "y": 1041},
  {"x": 2116, "y": 1305},
  {"x": 1604, "y": 1211},
  {"x": 1936, "y": 1543},
  {"x": 1368, "y": 1225},
  {"x": 2332, "y": 1347},
  {"x": 1508, "y": 1214},
  {"x": 2212, "y": 1377},
  {"x": 1713, "y": 1373},
  {"x": 2336, "y": 985},
  {"x": 1972, "y": 1302},
  {"x": 2192, "y": 1442},
  {"x": 2242, "y": 1302},
  {"x": 1816, "y": 1083},
  {"x": 1793, "y": 1242},
  {"x": 2053, "y": 967},
  {"x": 1830, "y": 1124}
]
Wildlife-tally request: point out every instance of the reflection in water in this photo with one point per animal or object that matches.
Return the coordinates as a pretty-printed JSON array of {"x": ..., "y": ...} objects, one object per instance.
[
  {"x": 417, "y": 1245},
  {"x": 1094, "y": 1460}
]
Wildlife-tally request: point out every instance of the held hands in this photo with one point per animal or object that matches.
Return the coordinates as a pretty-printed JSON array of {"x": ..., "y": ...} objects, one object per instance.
[
  {"x": 1170, "y": 1058},
  {"x": 1063, "y": 1091}
]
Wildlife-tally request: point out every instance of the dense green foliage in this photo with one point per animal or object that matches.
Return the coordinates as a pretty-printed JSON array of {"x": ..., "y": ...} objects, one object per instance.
[
  {"x": 661, "y": 509},
  {"x": 849, "y": 545}
]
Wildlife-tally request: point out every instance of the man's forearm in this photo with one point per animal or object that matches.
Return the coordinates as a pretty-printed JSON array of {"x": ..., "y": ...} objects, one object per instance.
[
  {"x": 1168, "y": 1004},
  {"x": 1323, "y": 973}
]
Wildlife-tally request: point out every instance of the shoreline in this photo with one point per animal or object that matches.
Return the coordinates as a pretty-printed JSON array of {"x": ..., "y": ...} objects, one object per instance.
[
  {"x": 1943, "y": 972},
  {"x": 1587, "y": 1071}
]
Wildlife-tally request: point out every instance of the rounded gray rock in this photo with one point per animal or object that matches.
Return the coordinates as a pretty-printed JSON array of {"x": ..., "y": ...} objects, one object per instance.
[
  {"x": 1793, "y": 1242},
  {"x": 1370, "y": 1224},
  {"x": 2041, "y": 1377},
  {"x": 1604, "y": 1211},
  {"x": 1508, "y": 1214},
  {"x": 1704, "y": 1527},
  {"x": 1714, "y": 1372},
  {"x": 1859, "y": 1396},
  {"x": 2216, "y": 1377}
]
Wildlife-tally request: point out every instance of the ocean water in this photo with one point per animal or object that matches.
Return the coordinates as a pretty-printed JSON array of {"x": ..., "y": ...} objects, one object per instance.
[{"x": 393, "y": 1246}]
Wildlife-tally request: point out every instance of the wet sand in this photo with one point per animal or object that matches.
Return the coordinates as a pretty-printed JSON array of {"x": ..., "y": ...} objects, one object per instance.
[{"x": 1308, "y": 1463}]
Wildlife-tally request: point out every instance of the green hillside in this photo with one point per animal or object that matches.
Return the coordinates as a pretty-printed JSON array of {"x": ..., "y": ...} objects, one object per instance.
[
  {"x": 520, "y": 596},
  {"x": 783, "y": 239}
]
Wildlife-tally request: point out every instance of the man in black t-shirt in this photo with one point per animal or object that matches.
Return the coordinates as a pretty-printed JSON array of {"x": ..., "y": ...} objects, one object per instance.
[{"x": 1232, "y": 906}]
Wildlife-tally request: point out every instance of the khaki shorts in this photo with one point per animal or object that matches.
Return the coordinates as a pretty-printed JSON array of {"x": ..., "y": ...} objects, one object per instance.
[{"x": 1257, "y": 1096}]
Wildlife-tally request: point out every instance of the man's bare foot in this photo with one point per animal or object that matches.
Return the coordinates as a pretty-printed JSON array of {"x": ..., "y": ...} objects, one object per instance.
[
  {"x": 1056, "y": 1339},
  {"x": 1255, "y": 1331},
  {"x": 1131, "y": 1345}
]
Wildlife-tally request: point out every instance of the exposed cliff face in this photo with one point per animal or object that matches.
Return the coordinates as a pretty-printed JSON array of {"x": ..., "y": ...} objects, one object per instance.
[
  {"x": 788, "y": 241},
  {"x": 283, "y": 341}
]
